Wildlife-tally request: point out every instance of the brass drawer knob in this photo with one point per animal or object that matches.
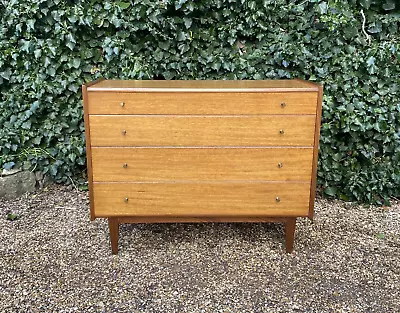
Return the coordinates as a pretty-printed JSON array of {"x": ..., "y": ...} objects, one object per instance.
[
  {"x": 125, "y": 165},
  {"x": 280, "y": 165},
  {"x": 122, "y": 104},
  {"x": 124, "y": 132},
  {"x": 278, "y": 199},
  {"x": 281, "y": 131},
  {"x": 283, "y": 104},
  {"x": 126, "y": 199}
]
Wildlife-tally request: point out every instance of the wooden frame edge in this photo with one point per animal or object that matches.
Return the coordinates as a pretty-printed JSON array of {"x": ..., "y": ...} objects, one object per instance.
[
  {"x": 311, "y": 87},
  {"x": 202, "y": 90},
  {"x": 203, "y": 219},
  {"x": 88, "y": 148},
  {"x": 316, "y": 151}
]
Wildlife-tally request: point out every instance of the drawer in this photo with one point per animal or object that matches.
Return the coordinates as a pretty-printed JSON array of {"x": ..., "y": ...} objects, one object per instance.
[
  {"x": 201, "y": 199},
  {"x": 206, "y": 103},
  {"x": 213, "y": 164},
  {"x": 178, "y": 130}
]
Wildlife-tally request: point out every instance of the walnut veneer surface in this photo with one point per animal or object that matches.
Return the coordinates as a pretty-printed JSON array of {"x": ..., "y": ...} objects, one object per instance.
[{"x": 202, "y": 151}]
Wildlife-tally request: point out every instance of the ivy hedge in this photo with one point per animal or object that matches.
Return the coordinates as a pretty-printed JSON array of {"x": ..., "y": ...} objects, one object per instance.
[{"x": 48, "y": 48}]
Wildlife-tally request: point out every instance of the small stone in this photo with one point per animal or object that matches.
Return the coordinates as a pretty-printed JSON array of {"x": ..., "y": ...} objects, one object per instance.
[
  {"x": 10, "y": 172},
  {"x": 15, "y": 185}
]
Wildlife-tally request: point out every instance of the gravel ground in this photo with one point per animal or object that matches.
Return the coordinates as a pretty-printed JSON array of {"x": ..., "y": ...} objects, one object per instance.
[{"x": 54, "y": 259}]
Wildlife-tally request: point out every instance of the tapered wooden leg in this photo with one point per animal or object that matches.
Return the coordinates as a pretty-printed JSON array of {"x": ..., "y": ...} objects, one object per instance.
[
  {"x": 113, "y": 225},
  {"x": 290, "y": 228}
]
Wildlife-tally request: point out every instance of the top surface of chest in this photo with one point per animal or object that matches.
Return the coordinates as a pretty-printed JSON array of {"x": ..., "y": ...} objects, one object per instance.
[
  {"x": 202, "y": 97},
  {"x": 203, "y": 86}
]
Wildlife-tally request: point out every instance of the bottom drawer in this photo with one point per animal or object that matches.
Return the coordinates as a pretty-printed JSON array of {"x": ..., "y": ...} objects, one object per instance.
[{"x": 201, "y": 199}]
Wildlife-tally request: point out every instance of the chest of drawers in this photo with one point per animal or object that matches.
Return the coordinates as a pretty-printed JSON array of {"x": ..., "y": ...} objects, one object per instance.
[{"x": 202, "y": 151}]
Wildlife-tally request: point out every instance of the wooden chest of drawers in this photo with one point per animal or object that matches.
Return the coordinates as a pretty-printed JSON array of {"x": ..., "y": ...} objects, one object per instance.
[{"x": 202, "y": 151}]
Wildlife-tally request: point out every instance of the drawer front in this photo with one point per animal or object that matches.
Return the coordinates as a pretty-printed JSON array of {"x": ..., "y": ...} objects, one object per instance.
[
  {"x": 201, "y": 199},
  {"x": 178, "y": 130},
  {"x": 166, "y": 164},
  {"x": 202, "y": 103}
]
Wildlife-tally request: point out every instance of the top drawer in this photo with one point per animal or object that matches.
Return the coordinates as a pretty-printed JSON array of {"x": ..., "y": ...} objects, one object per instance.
[{"x": 204, "y": 103}]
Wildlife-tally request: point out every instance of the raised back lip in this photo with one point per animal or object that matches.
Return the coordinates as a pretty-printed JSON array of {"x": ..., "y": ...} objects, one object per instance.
[{"x": 217, "y": 86}]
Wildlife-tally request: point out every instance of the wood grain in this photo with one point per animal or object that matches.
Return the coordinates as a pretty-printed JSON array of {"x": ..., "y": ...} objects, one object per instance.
[
  {"x": 203, "y": 219},
  {"x": 163, "y": 164},
  {"x": 177, "y": 130},
  {"x": 113, "y": 226},
  {"x": 202, "y": 103},
  {"x": 201, "y": 199},
  {"x": 290, "y": 228},
  {"x": 203, "y": 86}
]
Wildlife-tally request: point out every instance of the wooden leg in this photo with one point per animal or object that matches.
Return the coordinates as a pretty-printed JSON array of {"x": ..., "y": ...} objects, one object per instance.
[
  {"x": 113, "y": 225},
  {"x": 290, "y": 227}
]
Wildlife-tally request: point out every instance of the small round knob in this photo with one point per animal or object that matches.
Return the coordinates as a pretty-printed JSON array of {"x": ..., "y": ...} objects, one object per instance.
[
  {"x": 122, "y": 104},
  {"x": 281, "y": 131},
  {"x": 126, "y": 199},
  {"x": 124, "y": 132},
  {"x": 280, "y": 165},
  {"x": 283, "y": 104},
  {"x": 278, "y": 199},
  {"x": 125, "y": 165}
]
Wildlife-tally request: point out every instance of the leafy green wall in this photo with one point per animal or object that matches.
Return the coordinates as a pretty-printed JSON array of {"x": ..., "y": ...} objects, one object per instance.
[{"x": 48, "y": 48}]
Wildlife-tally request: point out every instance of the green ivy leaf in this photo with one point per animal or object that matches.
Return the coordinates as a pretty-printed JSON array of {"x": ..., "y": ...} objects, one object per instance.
[
  {"x": 389, "y": 5},
  {"x": 70, "y": 41},
  {"x": 83, "y": 187},
  {"x": 6, "y": 74},
  {"x": 380, "y": 236},
  {"x": 51, "y": 71},
  {"x": 8, "y": 165},
  {"x": 12, "y": 217},
  {"x": 38, "y": 53},
  {"x": 123, "y": 5},
  {"x": 330, "y": 191},
  {"x": 153, "y": 18},
  {"x": 179, "y": 4},
  {"x": 323, "y": 7},
  {"x": 181, "y": 35},
  {"x": 371, "y": 61},
  {"x": 31, "y": 24},
  {"x": 366, "y": 3},
  {"x": 53, "y": 170},
  {"x": 76, "y": 62},
  {"x": 26, "y": 125},
  {"x": 188, "y": 22},
  {"x": 25, "y": 45},
  {"x": 72, "y": 157}
]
